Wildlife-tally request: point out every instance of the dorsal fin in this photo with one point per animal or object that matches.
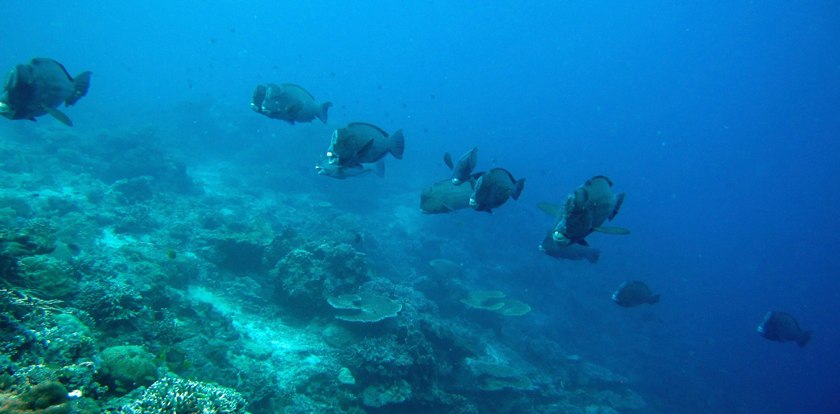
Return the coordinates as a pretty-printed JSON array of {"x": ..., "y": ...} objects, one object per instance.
[
  {"x": 600, "y": 176},
  {"x": 295, "y": 86},
  {"x": 370, "y": 125}
]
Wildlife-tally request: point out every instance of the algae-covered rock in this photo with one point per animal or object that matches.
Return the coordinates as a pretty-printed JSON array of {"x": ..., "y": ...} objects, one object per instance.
[
  {"x": 47, "y": 275},
  {"x": 307, "y": 277},
  {"x": 130, "y": 365},
  {"x": 379, "y": 395}
]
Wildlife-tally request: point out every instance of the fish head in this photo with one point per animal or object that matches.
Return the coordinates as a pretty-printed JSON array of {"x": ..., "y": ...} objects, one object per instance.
[
  {"x": 480, "y": 193},
  {"x": 342, "y": 146},
  {"x": 6, "y": 110},
  {"x": 258, "y": 98}
]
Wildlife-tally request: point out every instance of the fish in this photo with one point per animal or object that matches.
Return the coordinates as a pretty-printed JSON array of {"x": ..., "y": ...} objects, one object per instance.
[
  {"x": 634, "y": 293},
  {"x": 782, "y": 327},
  {"x": 494, "y": 188},
  {"x": 584, "y": 211},
  {"x": 288, "y": 102},
  {"x": 570, "y": 252},
  {"x": 337, "y": 171},
  {"x": 39, "y": 87},
  {"x": 445, "y": 269},
  {"x": 361, "y": 143},
  {"x": 466, "y": 164},
  {"x": 445, "y": 197}
]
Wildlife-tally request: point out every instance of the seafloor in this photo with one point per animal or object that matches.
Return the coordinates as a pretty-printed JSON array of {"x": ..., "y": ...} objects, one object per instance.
[{"x": 133, "y": 283}]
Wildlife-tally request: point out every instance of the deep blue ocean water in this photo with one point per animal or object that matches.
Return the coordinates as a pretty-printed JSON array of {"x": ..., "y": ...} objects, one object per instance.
[{"x": 720, "y": 120}]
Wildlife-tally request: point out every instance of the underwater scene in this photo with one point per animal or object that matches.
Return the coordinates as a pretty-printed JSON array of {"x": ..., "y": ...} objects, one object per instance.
[{"x": 583, "y": 207}]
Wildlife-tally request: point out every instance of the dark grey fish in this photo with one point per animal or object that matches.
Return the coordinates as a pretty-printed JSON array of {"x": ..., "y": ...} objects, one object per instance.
[
  {"x": 463, "y": 169},
  {"x": 38, "y": 88},
  {"x": 361, "y": 143},
  {"x": 443, "y": 269},
  {"x": 337, "y": 171},
  {"x": 494, "y": 188},
  {"x": 634, "y": 293},
  {"x": 288, "y": 102},
  {"x": 782, "y": 327},
  {"x": 570, "y": 252},
  {"x": 445, "y": 197},
  {"x": 584, "y": 211}
]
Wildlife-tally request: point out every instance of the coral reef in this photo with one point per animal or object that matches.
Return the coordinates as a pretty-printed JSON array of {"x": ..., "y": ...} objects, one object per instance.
[
  {"x": 172, "y": 395},
  {"x": 371, "y": 308}
]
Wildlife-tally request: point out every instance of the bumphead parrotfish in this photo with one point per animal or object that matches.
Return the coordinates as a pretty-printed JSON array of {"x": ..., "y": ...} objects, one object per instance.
[
  {"x": 361, "y": 143},
  {"x": 570, "y": 252},
  {"x": 445, "y": 197},
  {"x": 584, "y": 211},
  {"x": 494, "y": 188},
  {"x": 463, "y": 169},
  {"x": 288, "y": 102},
  {"x": 782, "y": 327},
  {"x": 38, "y": 88},
  {"x": 634, "y": 293}
]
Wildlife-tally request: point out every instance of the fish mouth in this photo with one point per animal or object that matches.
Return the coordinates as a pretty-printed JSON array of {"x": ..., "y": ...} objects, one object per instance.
[
  {"x": 473, "y": 203},
  {"x": 455, "y": 181},
  {"x": 332, "y": 158},
  {"x": 4, "y": 108},
  {"x": 561, "y": 238},
  {"x": 760, "y": 329},
  {"x": 615, "y": 297}
]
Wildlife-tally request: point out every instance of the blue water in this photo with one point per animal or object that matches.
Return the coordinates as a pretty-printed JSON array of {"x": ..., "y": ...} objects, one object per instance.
[{"x": 718, "y": 119}]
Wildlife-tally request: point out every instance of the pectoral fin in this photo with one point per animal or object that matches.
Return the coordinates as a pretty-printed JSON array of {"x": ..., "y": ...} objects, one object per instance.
[
  {"x": 60, "y": 116},
  {"x": 612, "y": 230},
  {"x": 364, "y": 150},
  {"x": 294, "y": 109},
  {"x": 448, "y": 160},
  {"x": 552, "y": 210}
]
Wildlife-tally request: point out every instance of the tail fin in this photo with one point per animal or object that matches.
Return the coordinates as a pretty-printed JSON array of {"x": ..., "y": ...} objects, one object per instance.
[
  {"x": 323, "y": 114},
  {"x": 618, "y": 201},
  {"x": 379, "y": 169},
  {"x": 593, "y": 256},
  {"x": 655, "y": 298},
  {"x": 80, "y": 88},
  {"x": 805, "y": 338},
  {"x": 517, "y": 188},
  {"x": 399, "y": 144}
]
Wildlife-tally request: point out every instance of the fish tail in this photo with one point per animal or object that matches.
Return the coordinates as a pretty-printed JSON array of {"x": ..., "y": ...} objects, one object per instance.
[
  {"x": 379, "y": 169},
  {"x": 619, "y": 199},
  {"x": 517, "y": 189},
  {"x": 655, "y": 298},
  {"x": 80, "y": 88},
  {"x": 322, "y": 115},
  {"x": 399, "y": 144},
  {"x": 805, "y": 338}
]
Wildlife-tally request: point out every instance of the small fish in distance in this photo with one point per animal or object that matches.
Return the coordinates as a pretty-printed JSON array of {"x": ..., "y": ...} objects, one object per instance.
[
  {"x": 634, "y": 293},
  {"x": 782, "y": 327}
]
